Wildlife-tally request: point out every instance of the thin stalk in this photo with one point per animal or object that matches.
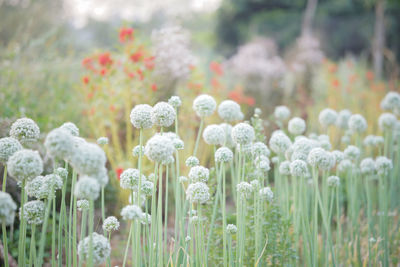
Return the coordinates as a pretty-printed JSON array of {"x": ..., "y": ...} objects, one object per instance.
[
  {"x": 127, "y": 245},
  {"x": 160, "y": 242},
  {"x": 4, "y": 178},
  {"x": 53, "y": 233},
  {"x": 71, "y": 201},
  {"x": 138, "y": 228},
  {"x": 103, "y": 214},
  {"x": 198, "y": 137},
  {"x": 166, "y": 206},
  {"x": 32, "y": 246},
  {"x": 230, "y": 250},
  {"x": 91, "y": 223},
  {"x": 21, "y": 242},
  {"x": 74, "y": 233},
  {"x": 224, "y": 213},
  {"x": 5, "y": 243},
  {"x": 83, "y": 230},
  {"x": 61, "y": 224}
]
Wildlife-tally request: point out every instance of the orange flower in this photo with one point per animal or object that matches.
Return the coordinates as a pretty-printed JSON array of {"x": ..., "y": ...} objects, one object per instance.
[
  {"x": 370, "y": 75},
  {"x": 215, "y": 83},
  {"x": 119, "y": 171},
  {"x": 140, "y": 73},
  {"x": 336, "y": 83},
  {"x": 85, "y": 79},
  {"x": 137, "y": 56},
  {"x": 149, "y": 63},
  {"x": 103, "y": 72},
  {"x": 216, "y": 68},
  {"x": 105, "y": 59},
  {"x": 250, "y": 101},
  {"x": 154, "y": 87},
  {"x": 125, "y": 34}
]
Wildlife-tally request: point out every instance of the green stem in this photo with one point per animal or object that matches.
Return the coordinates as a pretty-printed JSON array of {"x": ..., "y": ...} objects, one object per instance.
[
  {"x": 32, "y": 246},
  {"x": 4, "y": 178},
  {"x": 71, "y": 201},
  {"x": 61, "y": 224},
  {"x": 91, "y": 222},
  {"x": 198, "y": 137},
  {"x": 83, "y": 230},
  {"x": 53, "y": 233},
  {"x": 127, "y": 245},
  {"x": 5, "y": 243}
]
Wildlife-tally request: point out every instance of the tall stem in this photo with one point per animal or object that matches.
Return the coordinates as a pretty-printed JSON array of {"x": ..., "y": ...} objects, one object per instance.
[
  {"x": 4, "y": 178},
  {"x": 91, "y": 222},
  {"x": 32, "y": 246},
  {"x": 198, "y": 137},
  {"x": 5, "y": 243}
]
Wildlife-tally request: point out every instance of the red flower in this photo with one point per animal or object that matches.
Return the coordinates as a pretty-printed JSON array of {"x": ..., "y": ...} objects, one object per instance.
[
  {"x": 370, "y": 75},
  {"x": 149, "y": 63},
  {"x": 336, "y": 83},
  {"x": 216, "y": 68},
  {"x": 85, "y": 79},
  {"x": 250, "y": 101},
  {"x": 137, "y": 56},
  {"x": 131, "y": 75},
  {"x": 154, "y": 87},
  {"x": 105, "y": 59},
  {"x": 103, "y": 72},
  {"x": 118, "y": 171},
  {"x": 125, "y": 34},
  {"x": 140, "y": 73},
  {"x": 235, "y": 96}
]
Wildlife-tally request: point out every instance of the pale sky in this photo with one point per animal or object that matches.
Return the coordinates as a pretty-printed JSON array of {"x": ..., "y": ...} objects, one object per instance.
[{"x": 78, "y": 11}]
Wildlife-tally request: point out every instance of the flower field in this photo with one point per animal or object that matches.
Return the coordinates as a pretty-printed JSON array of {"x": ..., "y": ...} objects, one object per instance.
[{"x": 145, "y": 153}]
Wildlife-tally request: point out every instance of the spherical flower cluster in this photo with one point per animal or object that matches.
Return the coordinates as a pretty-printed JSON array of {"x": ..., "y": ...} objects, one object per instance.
[
  {"x": 33, "y": 212},
  {"x": 387, "y": 121},
  {"x": 192, "y": 161},
  {"x": 367, "y": 166},
  {"x": 255, "y": 184},
  {"x": 100, "y": 245},
  {"x": 352, "y": 153},
  {"x": 323, "y": 141},
  {"x": 342, "y": 120},
  {"x": 297, "y": 126},
  {"x": 214, "y": 135},
  {"x": 175, "y": 101},
  {"x": 266, "y": 193},
  {"x": 62, "y": 172},
  {"x": 7, "y": 208},
  {"x": 243, "y": 133},
  {"x": 279, "y": 142},
  {"x": 338, "y": 155},
  {"x": 147, "y": 187},
  {"x": 134, "y": 196},
  {"x": 82, "y": 204},
  {"x": 229, "y": 111},
  {"x": 263, "y": 163},
  {"x": 141, "y": 116},
  {"x": 25, "y": 130},
  {"x": 281, "y": 113},
  {"x": 8, "y": 146},
  {"x": 163, "y": 114},
  {"x": 178, "y": 144},
  {"x": 101, "y": 176},
  {"x": 391, "y": 102},
  {"x": 70, "y": 128},
  {"x": 87, "y": 188},
  {"x": 345, "y": 165},
  {"x": 40, "y": 186},
  {"x": 296, "y": 155},
  {"x": 129, "y": 179},
  {"x": 159, "y": 148},
  {"x": 59, "y": 143},
  {"x": 383, "y": 165},
  {"x": 131, "y": 212},
  {"x": 319, "y": 158},
  {"x": 88, "y": 158},
  {"x": 260, "y": 149},
  {"x": 244, "y": 189},
  {"x": 136, "y": 151},
  {"x": 327, "y": 117},
  {"x": 304, "y": 145},
  {"x": 25, "y": 164},
  {"x": 194, "y": 219},
  {"x": 228, "y": 134},
  {"x": 199, "y": 174},
  {"x": 357, "y": 123},
  {"x": 102, "y": 140},
  {"x": 231, "y": 229},
  {"x": 204, "y": 105},
  {"x": 198, "y": 193},
  {"x": 223, "y": 154},
  {"x": 110, "y": 224},
  {"x": 146, "y": 219},
  {"x": 333, "y": 181},
  {"x": 284, "y": 168},
  {"x": 298, "y": 168}
]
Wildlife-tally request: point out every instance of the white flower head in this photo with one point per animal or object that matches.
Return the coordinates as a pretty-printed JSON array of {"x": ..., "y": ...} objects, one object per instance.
[
  {"x": 102, "y": 140},
  {"x": 391, "y": 102},
  {"x": 175, "y": 101},
  {"x": 367, "y": 166},
  {"x": 87, "y": 188},
  {"x": 25, "y": 130},
  {"x": 136, "y": 151},
  {"x": 281, "y": 113},
  {"x": 352, "y": 153},
  {"x": 333, "y": 181},
  {"x": 82, "y": 204},
  {"x": 159, "y": 148},
  {"x": 100, "y": 245},
  {"x": 304, "y": 145},
  {"x": 255, "y": 184},
  {"x": 263, "y": 163},
  {"x": 40, "y": 186},
  {"x": 338, "y": 155},
  {"x": 345, "y": 165},
  {"x": 33, "y": 212},
  {"x": 199, "y": 174},
  {"x": 62, "y": 172},
  {"x": 129, "y": 179},
  {"x": 198, "y": 193},
  {"x": 298, "y": 168},
  {"x": 214, "y": 135},
  {"x": 387, "y": 121},
  {"x": 369, "y": 140},
  {"x": 223, "y": 154},
  {"x": 163, "y": 114},
  {"x": 297, "y": 126},
  {"x": 357, "y": 123},
  {"x": 342, "y": 120},
  {"x": 319, "y": 158},
  {"x": 147, "y": 187},
  {"x": 7, "y": 208},
  {"x": 244, "y": 189},
  {"x": 59, "y": 143},
  {"x": 110, "y": 224},
  {"x": 378, "y": 140},
  {"x": 279, "y": 142},
  {"x": 146, "y": 219},
  {"x": 230, "y": 111},
  {"x": 243, "y": 133},
  {"x": 131, "y": 212},
  {"x": 260, "y": 149},
  {"x": 327, "y": 117},
  {"x": 141, "y": 116},
  {"x": 101, "y": 176},
  {"x": 231, "y": 229},
  {"x": 88, "y": 158},
  {"x": 204, "y": 105},
  {"x": 192, "y": 161},
  {"x": 266, "y": 193},
  {"x": 25, "y": 164},
  {"x": 284, "y": 168},
  {"x": 71, "y": 128},
  {"x": 8, "y": 146},
  {"x": 383, "y": 165}
]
